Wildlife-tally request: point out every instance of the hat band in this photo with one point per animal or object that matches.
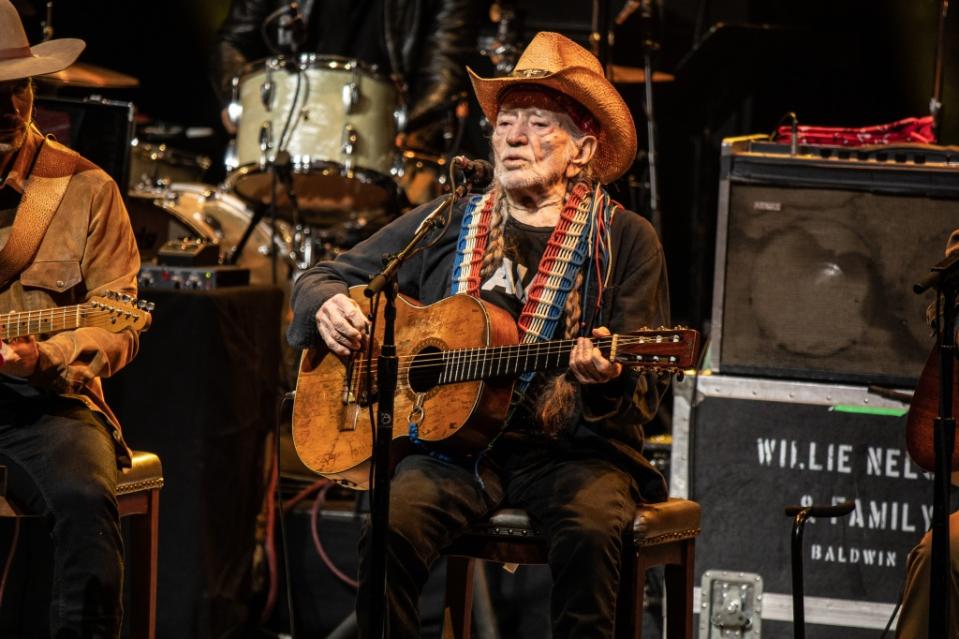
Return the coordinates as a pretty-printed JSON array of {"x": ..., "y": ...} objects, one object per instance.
[
  {"x": 15, "y": 52},
  {"x": 530, "y": 73}
]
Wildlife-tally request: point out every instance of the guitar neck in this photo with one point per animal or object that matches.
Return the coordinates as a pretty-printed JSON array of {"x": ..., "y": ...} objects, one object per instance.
[
  {"x": 468, "y": 364},
  {"x": 49, "y": 320}
]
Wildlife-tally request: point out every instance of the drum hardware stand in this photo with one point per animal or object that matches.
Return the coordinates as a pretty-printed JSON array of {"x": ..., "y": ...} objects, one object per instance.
[
  {"x": 599, "y": 38},
  {"x": 800, "y": 514},
  {"x": 651, "y": 45},
  {"x": 944, "y": 277},
  {"x": 292, "y": 34},
  {"x": 281, "y": 168},
  {"x": 935, "y": 102},
  {"x": 503, "y": 50},
  {"x": 385, "y": 281}
]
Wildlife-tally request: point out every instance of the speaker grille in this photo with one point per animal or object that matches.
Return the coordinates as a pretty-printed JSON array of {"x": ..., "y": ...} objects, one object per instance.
[{"x": 818, "y": 281}]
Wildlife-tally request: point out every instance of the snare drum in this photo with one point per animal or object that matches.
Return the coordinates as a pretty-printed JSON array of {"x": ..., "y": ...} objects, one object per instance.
[
  {"x": 340, "y": 123},
  {"x": 205, "y": 212}
]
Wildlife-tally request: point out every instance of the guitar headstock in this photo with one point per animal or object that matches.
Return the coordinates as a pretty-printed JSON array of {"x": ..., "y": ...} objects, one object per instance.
[
  {"x": 123, "y": 311},
  {"x": 668, "y": 349}
]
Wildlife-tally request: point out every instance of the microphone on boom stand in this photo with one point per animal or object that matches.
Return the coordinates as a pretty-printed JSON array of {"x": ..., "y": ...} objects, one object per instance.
[{"x": 479, "y": 173}]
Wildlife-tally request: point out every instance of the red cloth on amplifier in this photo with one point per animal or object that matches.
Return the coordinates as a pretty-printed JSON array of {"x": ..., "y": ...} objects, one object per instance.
[{"x": 916, "y": 130}]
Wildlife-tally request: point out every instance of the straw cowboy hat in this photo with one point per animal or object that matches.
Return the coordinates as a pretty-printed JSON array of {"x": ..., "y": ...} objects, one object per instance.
[
  {"x": 19, "y": 60},
  {"x": 555, "y": 61}
]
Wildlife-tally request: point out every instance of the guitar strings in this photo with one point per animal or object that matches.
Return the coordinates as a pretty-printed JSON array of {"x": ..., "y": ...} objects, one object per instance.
[
  {"x": 462, "y": 360},
  {"x": 50, "y": 320},
  {"x": 508, "y": 351}
]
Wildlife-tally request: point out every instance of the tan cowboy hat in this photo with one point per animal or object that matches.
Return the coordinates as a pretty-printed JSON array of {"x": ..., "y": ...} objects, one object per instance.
[
  {"x": 555, "y": 61},
  {"x": 19, "y": 60}
]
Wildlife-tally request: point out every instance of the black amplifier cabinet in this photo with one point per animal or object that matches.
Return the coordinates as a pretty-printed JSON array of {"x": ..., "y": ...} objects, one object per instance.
[
  {"x": 816, "y": 254},
  {"x": 98, "y": 129},
  {"x": 745, "y": 448}
]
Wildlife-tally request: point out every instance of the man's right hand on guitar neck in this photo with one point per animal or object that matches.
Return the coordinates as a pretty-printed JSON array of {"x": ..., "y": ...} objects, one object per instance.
[{"x": 342, "y": 324}]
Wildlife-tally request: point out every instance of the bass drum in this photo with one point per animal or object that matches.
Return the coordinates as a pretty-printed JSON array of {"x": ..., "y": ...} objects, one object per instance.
[{"x": 206, "y": 212}]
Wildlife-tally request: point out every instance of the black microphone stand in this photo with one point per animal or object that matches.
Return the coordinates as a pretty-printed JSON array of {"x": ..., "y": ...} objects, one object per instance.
[
  {"x": 944, "y": 277},
  {"x": 651, "y": 45},
  {"x": 385, "y": 282},
  {"x": 935, "y": 102}
]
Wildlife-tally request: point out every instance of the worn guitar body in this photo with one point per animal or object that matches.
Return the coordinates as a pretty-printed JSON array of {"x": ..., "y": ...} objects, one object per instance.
[{"x": 333, "y": 437}]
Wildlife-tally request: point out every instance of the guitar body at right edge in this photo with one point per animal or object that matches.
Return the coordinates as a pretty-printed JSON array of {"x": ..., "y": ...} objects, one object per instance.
[
  {"x": 923, "y": 411},
  {"x": 334, "y": 438}
]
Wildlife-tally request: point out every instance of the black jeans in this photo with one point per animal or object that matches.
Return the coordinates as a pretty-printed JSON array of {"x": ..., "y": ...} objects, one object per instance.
[
  {"x": 584, "y": 505},
  {"x": 61, "y": 462}
]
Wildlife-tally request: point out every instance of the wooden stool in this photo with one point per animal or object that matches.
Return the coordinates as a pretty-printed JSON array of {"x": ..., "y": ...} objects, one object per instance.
[
  {"x": 663, "y": 534},
  {"x": 138, "y": 497}
]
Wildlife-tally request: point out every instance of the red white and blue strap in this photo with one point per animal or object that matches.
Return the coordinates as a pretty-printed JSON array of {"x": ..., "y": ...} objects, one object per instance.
[
  {"x": 471, "y": 245},
  {"x": 566, "y": 251}
]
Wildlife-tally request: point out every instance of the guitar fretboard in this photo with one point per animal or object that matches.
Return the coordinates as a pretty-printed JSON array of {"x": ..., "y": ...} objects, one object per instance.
[
  {"x": 19, "y": 324},
  {"x": 508, "y": 361}
]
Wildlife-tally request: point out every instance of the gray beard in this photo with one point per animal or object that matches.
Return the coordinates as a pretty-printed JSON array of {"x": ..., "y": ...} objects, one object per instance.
[{"x": 528, "y": 179}]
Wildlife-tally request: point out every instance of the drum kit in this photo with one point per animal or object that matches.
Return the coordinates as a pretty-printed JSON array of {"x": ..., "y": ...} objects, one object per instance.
[{"x": 336, "y": 119}]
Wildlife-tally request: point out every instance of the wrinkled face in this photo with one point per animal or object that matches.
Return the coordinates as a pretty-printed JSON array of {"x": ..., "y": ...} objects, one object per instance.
[
  {"x": 16, "y": 107},
  {"x": 533, "y": 147}
]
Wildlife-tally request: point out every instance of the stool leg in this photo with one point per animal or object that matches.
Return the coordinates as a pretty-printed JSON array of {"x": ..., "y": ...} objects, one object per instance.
[
  {"x": 679, "y": 593},
  {"x": 457, "y": 616},
  {"x": 143, "y": 587}
]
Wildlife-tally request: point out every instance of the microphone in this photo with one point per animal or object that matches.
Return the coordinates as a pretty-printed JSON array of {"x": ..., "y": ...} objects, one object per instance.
[{"x": 479, "y": 173}]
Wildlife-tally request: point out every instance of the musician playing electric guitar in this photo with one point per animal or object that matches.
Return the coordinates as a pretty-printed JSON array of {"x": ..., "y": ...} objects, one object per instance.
[
  {"x": 546, "y": 244},
  {"x": 65, "y": 238}
]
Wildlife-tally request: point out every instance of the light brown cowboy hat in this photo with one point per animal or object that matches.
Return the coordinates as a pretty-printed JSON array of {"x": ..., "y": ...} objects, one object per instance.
[
  {"x": 555, "y": 61},
  {"x": 19, "y": 60}
]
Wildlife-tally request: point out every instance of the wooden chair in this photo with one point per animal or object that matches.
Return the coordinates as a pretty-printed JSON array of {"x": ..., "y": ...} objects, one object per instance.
[
  {"x": 663, "y": 534},
  {"x": 138, "y": 497}
]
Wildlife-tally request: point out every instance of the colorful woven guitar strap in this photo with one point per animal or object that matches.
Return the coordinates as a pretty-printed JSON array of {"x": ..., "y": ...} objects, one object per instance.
[{"x": 581, "y": 233}]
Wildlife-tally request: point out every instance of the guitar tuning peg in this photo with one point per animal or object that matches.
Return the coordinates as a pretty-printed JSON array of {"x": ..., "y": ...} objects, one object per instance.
[
  {"x": 150, "y": 306},
  {"x": 127, "y": 298}
]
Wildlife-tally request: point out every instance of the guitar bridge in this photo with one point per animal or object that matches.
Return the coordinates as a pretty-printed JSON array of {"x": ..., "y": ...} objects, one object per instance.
[{"x": 355, "y": 390}]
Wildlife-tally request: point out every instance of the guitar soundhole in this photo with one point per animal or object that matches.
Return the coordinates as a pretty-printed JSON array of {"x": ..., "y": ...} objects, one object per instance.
[{"x": 425, "y": 369}]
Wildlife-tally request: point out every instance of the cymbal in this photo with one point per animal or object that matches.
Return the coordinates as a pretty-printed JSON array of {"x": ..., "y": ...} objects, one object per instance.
[
  {"x": 90, "y": 76},
  {"x": 620, "y": 74}
]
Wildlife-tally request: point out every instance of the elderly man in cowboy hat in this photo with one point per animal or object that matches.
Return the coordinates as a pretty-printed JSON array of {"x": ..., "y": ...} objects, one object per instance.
[
  {"x": 64, "y": 236},
  {"x": 547, "y": 244}
]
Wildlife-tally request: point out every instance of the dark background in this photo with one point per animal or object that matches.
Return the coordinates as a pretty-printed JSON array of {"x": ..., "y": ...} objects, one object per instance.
[{"x": 852, "y": 62}]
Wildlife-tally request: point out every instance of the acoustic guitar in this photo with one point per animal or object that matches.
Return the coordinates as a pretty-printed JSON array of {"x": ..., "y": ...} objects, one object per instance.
[
  {"x": 458, "y": 359},
  {"x": 112, "y": 311},
  {"x": 923, "y": 410}
]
